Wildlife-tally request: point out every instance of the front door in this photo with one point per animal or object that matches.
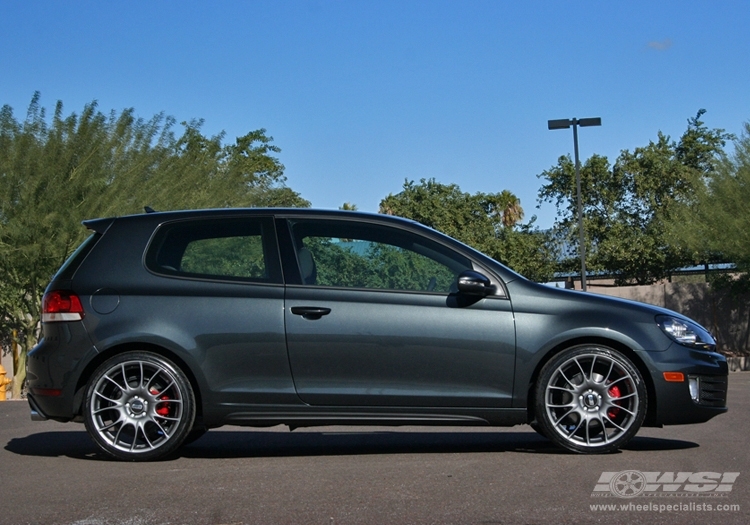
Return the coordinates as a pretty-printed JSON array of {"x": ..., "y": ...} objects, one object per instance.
[{"x": 378, "y": 322}]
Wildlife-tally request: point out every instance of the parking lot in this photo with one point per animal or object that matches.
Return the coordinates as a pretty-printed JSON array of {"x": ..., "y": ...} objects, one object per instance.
[{"x": 53, "y": 474}]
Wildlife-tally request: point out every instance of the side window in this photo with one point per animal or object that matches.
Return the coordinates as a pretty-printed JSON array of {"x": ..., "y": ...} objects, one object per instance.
[
  {"x": 224, "y": 249},
  {"x": 352, "y": 254},
  {"x": 237, "y": 256}
]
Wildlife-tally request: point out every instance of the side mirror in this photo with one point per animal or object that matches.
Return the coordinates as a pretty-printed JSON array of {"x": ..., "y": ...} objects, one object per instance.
[{"x": 474, "y": 283}]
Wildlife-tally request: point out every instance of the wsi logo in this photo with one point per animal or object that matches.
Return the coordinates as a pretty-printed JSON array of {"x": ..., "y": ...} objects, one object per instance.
[{"x": 632, "y": 483}]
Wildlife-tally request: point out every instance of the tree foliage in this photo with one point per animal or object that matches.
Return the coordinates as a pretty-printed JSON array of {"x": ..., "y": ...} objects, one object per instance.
[
  {"x": 626, "y": 207},
  {"x": 55, "y": 172},
  {"x": 715, "y": 216},
  {"x": 485, "y": 221}
]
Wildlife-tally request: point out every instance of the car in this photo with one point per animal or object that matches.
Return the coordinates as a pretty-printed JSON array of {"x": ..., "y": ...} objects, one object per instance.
[{"x": 163, "y": 325}]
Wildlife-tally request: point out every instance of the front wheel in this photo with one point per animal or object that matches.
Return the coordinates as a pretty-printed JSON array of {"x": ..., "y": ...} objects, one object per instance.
[
  {"x": 590, "y": 399},
  {"x": 139, "y": 406}
]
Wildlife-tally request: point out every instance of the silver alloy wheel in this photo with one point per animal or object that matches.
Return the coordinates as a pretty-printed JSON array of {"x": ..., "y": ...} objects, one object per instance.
[
  {"x": 592, "y": 400},
  {"x": 137, "y": 405}
]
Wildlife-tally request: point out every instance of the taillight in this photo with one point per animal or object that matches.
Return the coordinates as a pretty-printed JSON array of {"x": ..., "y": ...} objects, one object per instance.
[{"x": 61, "y": 305}]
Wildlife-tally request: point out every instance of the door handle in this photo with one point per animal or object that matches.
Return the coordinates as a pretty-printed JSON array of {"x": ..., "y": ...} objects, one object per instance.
[{"x": 310, "y": 312}]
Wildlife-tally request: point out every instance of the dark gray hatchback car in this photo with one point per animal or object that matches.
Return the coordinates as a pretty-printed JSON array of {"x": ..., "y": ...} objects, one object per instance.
[{"x": 164, "y": 325}]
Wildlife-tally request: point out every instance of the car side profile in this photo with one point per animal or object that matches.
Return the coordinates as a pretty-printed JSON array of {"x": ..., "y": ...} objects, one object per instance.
[{"x": 164, "y": 325}]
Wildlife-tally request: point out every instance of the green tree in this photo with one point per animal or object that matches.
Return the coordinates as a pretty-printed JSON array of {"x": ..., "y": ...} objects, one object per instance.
[
  {"x": 626, "y": 206},
  {"x": 56, "y": 172},
  {"x": 715, "y": 216},
  {"x": 485, "y": 221}
]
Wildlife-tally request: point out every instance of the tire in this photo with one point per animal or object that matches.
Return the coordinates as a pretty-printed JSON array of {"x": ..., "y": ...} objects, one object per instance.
[
  {"x": 590, "y": 399},
  {"x": 536, "y": 427},
  {"x": 139, "y": 406}
]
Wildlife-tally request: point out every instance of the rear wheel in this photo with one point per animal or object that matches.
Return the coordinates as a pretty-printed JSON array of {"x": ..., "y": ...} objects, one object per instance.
[
  {"x": 139, "y": 406},
  {"x": 590, "y": 399}
]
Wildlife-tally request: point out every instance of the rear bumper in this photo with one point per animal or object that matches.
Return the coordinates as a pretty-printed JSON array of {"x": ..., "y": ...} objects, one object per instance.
[
  {"x": 53, "y": 369},
  {"x": 36, "y": 413}
]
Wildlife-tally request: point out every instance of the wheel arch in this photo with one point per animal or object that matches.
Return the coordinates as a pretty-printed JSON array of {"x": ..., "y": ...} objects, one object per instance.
[
  {"x": 613, "y": 344},
  {"x": 101, "y": 357}
]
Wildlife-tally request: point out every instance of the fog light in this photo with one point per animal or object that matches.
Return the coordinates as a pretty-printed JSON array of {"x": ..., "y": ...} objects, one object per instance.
[{"x": 695, "y": 390}]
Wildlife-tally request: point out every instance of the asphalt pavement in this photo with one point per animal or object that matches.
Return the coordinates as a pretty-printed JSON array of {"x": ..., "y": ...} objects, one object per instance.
[{"x": 52, "y": 474}]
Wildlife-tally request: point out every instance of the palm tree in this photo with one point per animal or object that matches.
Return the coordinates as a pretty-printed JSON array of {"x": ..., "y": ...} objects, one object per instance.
[
  {"x": 505, "y": 208},
  {"x": 512, "y": 210}
]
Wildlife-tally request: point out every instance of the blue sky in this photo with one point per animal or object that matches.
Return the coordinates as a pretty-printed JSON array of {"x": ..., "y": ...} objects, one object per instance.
[{"x": 362, "y": 95}]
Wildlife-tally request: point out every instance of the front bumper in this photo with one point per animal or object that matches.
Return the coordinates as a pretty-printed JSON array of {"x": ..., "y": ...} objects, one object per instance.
[{"x": 671, "y": 402}]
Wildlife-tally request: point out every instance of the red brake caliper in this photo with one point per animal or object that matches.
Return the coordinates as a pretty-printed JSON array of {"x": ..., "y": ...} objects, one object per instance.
[
  {"x": 163, "y": 408},
  {"x": 614, "y": 392}
]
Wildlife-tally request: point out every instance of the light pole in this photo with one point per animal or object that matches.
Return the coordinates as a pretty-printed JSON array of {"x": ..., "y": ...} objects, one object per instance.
[{"x": 565, "y": 124}]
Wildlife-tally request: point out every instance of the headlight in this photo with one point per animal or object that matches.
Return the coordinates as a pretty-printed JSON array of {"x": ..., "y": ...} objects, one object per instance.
[{"x": 685, "y": 332}]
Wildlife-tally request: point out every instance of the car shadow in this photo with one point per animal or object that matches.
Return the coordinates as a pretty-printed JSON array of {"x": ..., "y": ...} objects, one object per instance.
[
  {"x": 56, "y": 444},
  {"x": 230, "y": 444}
]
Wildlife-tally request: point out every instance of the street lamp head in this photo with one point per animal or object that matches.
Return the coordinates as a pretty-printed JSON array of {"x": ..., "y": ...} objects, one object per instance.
[
  {"x": 565, "y": 123},
  {"x": 596, "y": 121},
  {"x": 559, "y": 123}
]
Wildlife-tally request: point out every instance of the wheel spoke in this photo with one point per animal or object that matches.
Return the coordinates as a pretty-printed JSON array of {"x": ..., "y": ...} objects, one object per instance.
[
  {"x": 566, "y": 378},
  {"x": 124, "y": 375},
  {"x": 115, "y": 383},
  {"x": 167, "y": 418},
  {"x": 623, "y": 397},
  {"x": 604, "y": 429},
  {"x": 566, "y": 414},
  {"x": 135, "y": 437},
  {"x": 116, "y": 402},
  {"x": 571, "y": 404},
  {"x": 561, "y": 388},
  {"x": 626, "y": 410},
  {"x": 580, "y": 368},
  {"x": 614, "y": 424},
  {"x": 166, "y": 388},
  {"x": 119, "y": 431},
  {"x": 164, "y": 431},
  {"x": 107, "y": 427},
  {"x": 117, "y": 407},
  {"x": 618, "y": 380},
  {"x": 578, "y": 426},
  {"x": 145, "y": 436}
]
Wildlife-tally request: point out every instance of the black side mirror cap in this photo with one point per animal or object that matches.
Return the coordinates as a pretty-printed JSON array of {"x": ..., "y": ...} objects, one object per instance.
[{"x": 474, "y": 283}]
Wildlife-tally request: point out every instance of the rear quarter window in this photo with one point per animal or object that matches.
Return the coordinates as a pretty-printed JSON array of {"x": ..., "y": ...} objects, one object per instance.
[{"x": 219, "y": 249}]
